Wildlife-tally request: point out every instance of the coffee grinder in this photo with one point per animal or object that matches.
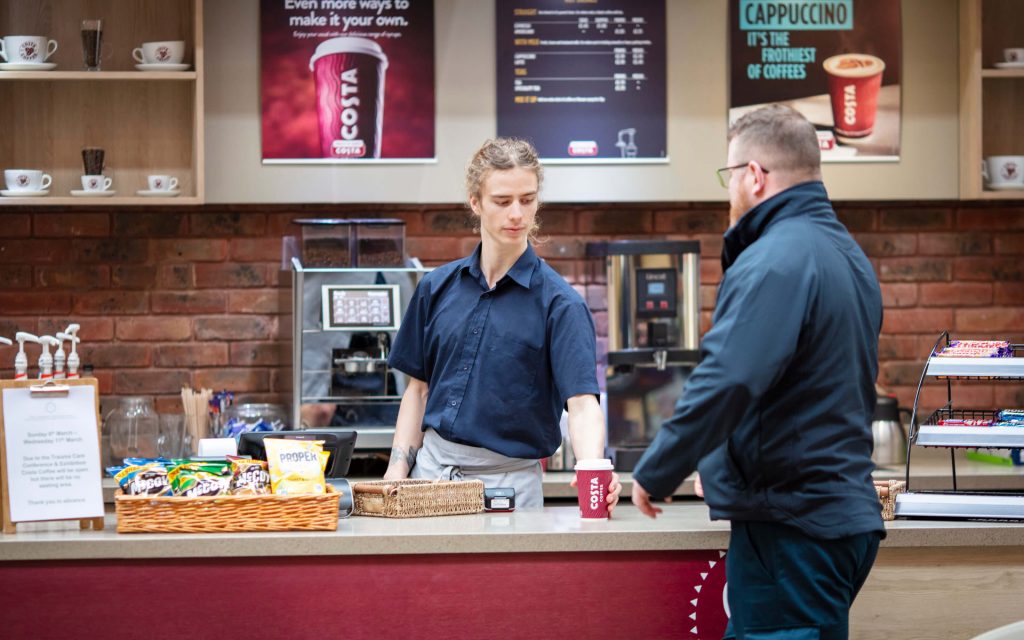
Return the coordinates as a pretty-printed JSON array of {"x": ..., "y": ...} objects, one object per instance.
[{"x": 653, "y": 335}]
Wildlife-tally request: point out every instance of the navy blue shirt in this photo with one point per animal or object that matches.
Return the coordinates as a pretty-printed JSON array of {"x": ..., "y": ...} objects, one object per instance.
[{"x": 500, "y": 363}]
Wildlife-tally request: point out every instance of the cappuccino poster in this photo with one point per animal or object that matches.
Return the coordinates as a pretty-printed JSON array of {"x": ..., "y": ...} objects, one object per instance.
[
  {"x": 584, "y": 82},
  {"x": 345, "y": 81},
  {"x": 835, "y": 61}
]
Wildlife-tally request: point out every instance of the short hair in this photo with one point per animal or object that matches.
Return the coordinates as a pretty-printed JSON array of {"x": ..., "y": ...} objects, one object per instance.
[
  {"x": 783, "y": 134},
  {"x": 500, "y": 154}
]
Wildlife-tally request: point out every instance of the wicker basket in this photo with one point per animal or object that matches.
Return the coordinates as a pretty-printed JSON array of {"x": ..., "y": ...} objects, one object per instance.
[
  {"x": 221, "y": 514},
  {"x": 417, "y": 498},
  {"x": 887, "y": 491}
]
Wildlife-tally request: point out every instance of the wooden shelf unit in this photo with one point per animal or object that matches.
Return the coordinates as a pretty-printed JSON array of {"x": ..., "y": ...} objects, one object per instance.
[
  {"x": 148, "y": 122},
  {"x": 990, "y": 98}
]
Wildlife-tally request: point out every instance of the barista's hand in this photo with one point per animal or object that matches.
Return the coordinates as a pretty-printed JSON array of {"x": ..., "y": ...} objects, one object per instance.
[
  {"x": 642, "y": 501},
  {"x": 614, "y": 489}
]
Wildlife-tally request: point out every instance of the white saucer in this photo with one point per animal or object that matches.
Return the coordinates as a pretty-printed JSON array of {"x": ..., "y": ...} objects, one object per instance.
[
  {"x": 162, "y": 67},
  {"x": 1010, "y": 65},
  {"x": 24, "y": 194},
  {"x": 27, "y": 66},
  {"x": 157, "y": 193},
  {"x": 1005, "y": 187},
  {"x": 81, "y": 193}
]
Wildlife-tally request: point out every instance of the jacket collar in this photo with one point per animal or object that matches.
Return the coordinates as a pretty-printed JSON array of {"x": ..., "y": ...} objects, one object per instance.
[
  {"x": 797, "y": 200},
  {"x": 521, "y": 272}
]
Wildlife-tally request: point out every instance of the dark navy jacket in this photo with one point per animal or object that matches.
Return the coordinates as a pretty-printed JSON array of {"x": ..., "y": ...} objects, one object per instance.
[{"x": 781, "y": 402}]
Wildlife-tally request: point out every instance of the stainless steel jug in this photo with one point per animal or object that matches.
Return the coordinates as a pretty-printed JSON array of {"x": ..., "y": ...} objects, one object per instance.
[{"x": 889, "y": 435}]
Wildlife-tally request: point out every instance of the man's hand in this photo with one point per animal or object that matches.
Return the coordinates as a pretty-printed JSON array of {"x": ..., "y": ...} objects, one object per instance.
[
  {"x": 642, "y": 501},
  {"x": 698, "y": 487},
  {"x": 614, "y": 489}
]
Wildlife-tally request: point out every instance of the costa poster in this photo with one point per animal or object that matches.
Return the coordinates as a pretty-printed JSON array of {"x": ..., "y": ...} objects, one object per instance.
[
  {"x": 347, "y": 81},
  {"x": 835, "y": 61},
  {"x": 584, "y": 82}
]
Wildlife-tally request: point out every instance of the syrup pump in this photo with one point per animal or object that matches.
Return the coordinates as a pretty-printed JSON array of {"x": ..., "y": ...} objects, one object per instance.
[
  {"x": 21, "y": 360},
  {"x": 6, "y": 341},
  {"x": 73, "y": 361},
  {"x": 59, "y": 360},
  {"x": 45, "y": 358}
]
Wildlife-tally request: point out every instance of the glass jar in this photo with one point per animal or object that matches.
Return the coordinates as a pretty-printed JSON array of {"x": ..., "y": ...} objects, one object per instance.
[
  {"x": 134, "y": 428},
  {"x": 243, "y": 418}
]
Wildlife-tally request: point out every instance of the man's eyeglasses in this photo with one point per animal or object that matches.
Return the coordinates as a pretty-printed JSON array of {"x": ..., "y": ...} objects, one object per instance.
[{"x": 723, "y": 180}]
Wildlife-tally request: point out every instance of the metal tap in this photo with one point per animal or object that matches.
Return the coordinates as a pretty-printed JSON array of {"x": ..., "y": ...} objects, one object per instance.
[{"x": 660, "y": 358}]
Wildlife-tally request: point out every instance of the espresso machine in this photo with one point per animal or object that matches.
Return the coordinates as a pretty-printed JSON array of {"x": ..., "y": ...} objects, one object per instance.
[
  {"x": 349, "y": 295},
  {"x": 653, "y": 336}
]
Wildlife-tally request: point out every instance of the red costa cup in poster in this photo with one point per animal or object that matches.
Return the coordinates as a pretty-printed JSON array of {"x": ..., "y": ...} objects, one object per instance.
[
  {"x": 853, "y": 83},
  {"x": 592, "y": 479},
  {"x": 349, "y": 76}
]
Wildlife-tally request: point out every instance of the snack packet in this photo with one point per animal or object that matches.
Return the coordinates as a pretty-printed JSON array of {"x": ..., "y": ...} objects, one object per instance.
[
  {"x": 249, "y": 477},
  {"x": 195, "y": 479},
  {"x": 148, "y": 479},
  {"x": 296, "y": 466}
]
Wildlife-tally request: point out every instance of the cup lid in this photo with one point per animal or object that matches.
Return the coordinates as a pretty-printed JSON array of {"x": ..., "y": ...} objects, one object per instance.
[
  {"x": 593, "y": 464},
  {"x": 348, "y": 44}
]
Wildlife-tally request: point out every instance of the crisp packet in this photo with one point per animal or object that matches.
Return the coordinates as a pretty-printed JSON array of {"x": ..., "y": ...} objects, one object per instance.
[
  {"x": 296, "y": 466},
  {"x": 149, "y": 479},
  {"x": 196, "y": 479},
  {"x": 249, "y": 477}
]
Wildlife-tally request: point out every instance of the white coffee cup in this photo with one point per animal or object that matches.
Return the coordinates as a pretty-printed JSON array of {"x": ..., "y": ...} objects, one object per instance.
[
  {"x": 27, "y": 180},
  {"x": 162, "y": 183},
  {"x": 1003, "y": 171},
  {"x": 96, "y": 183},
  {"x": 1014, "y": 54},
  {"x": 27, "y": 49},
  {"x": 165, "y": 52}
]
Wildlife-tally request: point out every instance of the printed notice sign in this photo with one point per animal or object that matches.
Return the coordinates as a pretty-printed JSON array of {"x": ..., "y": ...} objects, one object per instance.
[
  {"x": 835, "y": 61},
  {"x": 53, "y": 455},
  {"x": 584, "y": 82}
]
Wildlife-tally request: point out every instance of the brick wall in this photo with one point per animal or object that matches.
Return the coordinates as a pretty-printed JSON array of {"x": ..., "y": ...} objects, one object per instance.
[{"x": 196, "y": 296}]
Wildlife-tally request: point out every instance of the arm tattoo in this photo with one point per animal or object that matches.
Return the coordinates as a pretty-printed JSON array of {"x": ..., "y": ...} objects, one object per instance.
[{"x": 398, "y": 455}]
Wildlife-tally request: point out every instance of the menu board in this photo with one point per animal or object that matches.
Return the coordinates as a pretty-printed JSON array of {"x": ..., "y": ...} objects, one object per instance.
[
  {"x": 347, "y": 81},
  {"x": 584, "y": 82},
  {"x": 835, "y": 61}
]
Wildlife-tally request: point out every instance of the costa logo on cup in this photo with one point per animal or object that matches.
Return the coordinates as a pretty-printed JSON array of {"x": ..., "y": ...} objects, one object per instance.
[
  {"x": 854, "y": 80},
  {"x": 1010, "y": 171},
  {"x": 583, "y": 148},
  {"x": 22, "y": 180},
  {"x": 163, "y": 54},
  {"x": 28, "y": 51},
  {"x": 349, "y": 77}
]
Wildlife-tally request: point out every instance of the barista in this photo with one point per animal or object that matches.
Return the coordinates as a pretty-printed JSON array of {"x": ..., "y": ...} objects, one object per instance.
[{"x": 495, "y": 345}]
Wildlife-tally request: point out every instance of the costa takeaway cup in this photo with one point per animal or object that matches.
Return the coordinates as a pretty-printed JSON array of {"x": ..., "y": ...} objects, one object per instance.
[
  {"x": 349, "y": 76},
  {"x": 593, "y": 476},
  {"x": 854, "y": 80}
]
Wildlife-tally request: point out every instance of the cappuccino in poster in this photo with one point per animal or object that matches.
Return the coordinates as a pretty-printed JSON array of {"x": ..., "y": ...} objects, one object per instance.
[
  {"x": 835, "y": 61},
  {"x": 347, "y": 80}
]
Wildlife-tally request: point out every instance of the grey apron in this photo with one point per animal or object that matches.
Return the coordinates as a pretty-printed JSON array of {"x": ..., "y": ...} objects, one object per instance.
[{"x": 446, "y": 460}]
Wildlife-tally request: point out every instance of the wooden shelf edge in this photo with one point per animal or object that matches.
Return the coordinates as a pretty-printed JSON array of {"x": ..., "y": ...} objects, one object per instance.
[
  {"x": 1002, "y": 73},
  {"x": 98, "y": 76},
  {"x": 114, "y": 201}
]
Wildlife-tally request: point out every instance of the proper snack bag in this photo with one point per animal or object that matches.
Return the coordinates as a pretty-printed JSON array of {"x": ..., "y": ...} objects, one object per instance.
[{"x": 296, "y": 466}]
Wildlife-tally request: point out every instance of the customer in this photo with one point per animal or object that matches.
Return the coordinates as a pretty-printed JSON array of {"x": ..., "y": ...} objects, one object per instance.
[
  {"x": 495, "y": 345},
  {"x": 781, "y": 402}
]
